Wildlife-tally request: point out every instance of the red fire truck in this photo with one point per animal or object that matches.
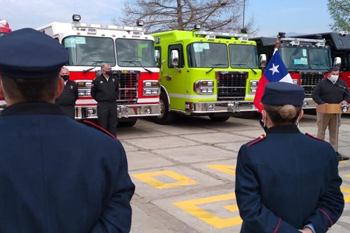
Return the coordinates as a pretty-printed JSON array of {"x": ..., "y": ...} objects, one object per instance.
[
  {"x": 307, "y": 60},
  {"x": 339, "y": 42},
  {"x": 130, "y": 53},
  {"x": 4, "y": 27}
]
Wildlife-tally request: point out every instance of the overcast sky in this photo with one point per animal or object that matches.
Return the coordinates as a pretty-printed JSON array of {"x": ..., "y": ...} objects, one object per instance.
[{"x": 271, "y": 16}]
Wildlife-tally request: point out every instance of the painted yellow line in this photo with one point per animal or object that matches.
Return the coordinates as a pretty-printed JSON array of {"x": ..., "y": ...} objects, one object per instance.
[
  {"x": 191, "y": 207},
  {"x": 346, "y": 191},
  {"x": 228, "y": 169},
  {"x": 347, "y": 176},
  {"x": 149, "y": 179}
]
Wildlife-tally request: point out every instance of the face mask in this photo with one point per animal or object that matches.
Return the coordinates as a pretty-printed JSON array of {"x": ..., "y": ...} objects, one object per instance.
[
  {"x": 65, "y": 77},
  {"x": 333, "y": 78},
  {"x": 109, "y": 73}
]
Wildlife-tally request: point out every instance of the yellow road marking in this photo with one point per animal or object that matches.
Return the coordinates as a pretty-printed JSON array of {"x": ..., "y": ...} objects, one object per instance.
[
  {"x": 191, "y": 207},
  {"x": 345, "y": 191},
  {"x": 149, "y": 179},
  {"x": 228, "y": 169}
]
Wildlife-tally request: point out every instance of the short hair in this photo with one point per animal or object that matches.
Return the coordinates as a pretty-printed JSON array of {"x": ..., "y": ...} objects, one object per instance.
[
  {"x": 281, "y": 115},
  {"x": 31, "y": 90},
  {"x": 103, "y": 65},
  {"x": 333, "y": 69}
]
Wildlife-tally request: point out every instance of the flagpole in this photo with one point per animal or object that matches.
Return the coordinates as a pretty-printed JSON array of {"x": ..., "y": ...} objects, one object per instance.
[{"x": 243, "y": 12}]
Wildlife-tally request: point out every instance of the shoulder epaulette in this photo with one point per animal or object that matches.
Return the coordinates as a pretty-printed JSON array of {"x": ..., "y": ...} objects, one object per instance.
[
  {"x": 91, "y": 124},
  {"x": 312, "y": 136},
  {"x": 262, "y": 137}
]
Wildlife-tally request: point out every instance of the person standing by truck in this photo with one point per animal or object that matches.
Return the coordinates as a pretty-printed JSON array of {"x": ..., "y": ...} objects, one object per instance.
[
  {"x": 105, "y": 90},
  {"x": 330, "y": 91},
  {"x": 69, "y": 95}
]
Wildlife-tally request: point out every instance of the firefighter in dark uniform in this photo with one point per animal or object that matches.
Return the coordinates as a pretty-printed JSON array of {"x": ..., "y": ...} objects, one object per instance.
[
  {"x": 56, "y": 175},
  {"x": 69, "y": 95},
  {"x": 287, "y": 181},
  {"x": 105, "y": 90}
]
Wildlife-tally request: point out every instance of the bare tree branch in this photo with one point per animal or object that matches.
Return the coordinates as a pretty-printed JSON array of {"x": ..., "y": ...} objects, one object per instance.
[{"x": 160, "y": 15}]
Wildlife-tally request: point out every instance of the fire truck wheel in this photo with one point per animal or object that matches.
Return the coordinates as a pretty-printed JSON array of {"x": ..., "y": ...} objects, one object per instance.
[
  {"x": 219, "y": 118},
  {"x": 129, "y": 123},
  {"x": 166, "y": 117}
]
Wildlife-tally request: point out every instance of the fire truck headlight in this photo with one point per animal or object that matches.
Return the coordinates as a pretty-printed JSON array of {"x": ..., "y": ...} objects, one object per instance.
[
  {"x": 205, "y": 87},
  {"x": 151, "y": 88},
  {"x": 253, "y": 86}
]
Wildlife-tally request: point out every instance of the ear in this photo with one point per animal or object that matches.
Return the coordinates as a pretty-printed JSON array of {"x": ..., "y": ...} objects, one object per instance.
[
  {"x": 60, "y": 87},
  {"x": 2, "y": 94},
  {"x": 300, "y": 116},
  {"x": 264, "y": 115}
]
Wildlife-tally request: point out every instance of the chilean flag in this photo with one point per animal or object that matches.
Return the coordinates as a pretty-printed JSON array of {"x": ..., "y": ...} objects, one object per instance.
[{"x": 275, "y": 71}]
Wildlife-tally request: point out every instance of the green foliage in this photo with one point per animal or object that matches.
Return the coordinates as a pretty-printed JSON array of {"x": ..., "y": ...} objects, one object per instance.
[{"x": 340, "y": 12}]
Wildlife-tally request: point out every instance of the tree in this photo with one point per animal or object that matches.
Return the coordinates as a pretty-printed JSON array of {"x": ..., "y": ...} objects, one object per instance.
[
  {"x": 340, "y": 12},
  {"x": 162, "y": 15}
]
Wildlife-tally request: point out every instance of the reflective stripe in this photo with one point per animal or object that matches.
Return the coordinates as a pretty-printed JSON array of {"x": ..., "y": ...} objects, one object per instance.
[
  {"x": 90, "y": 101},
  {"x": 144, "y": 100},
  {"x": 193, "y": 96}
]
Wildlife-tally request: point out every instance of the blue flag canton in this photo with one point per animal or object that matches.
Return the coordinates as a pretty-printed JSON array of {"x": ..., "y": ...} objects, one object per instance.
[{"x": 275, "y": 70}]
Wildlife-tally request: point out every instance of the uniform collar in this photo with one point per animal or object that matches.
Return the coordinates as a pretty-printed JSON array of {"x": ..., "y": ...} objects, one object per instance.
[
  {"x": 32, "y": 108},
  {"x": 291, "y": 128}
]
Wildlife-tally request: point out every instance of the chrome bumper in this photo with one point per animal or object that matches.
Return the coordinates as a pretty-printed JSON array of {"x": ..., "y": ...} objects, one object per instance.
[
  {"x": 219, "y": 107},
  {"x": 124, "y": 111},
  {"x": 309, "y": 103}
]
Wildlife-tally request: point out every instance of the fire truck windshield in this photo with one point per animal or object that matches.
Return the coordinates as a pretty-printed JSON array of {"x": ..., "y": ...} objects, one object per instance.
[
  {"x": 243, "y": 55},
  {"x": 207, "y": 55},
  {"x": 89, "y": 51},
  {"x": 320, "y": 58},
  {"x": 306, "y": 58},
  {"x": 132, "y": 53}
]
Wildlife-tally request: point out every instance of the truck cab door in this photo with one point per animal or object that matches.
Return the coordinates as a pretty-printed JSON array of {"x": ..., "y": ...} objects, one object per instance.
[{"x": 173, "y": 78}]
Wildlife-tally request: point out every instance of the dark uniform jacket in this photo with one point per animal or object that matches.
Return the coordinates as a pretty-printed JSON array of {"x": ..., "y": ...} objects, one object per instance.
[
  {"x": 60, "y": 176},
  {"x": 327, "y": 92},
  {"x": 103, "y": 90},
  {"x": 286, "y": 181},
  {"x": 69, "y": 95}
]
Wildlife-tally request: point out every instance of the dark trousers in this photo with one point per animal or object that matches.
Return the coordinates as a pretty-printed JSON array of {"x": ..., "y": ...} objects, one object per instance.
[
  {"x": 69, "y": 111},
  {"x": 107, "y": 116}
]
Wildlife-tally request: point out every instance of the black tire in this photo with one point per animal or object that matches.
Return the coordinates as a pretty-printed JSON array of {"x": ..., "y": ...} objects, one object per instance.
[
  {"x": 219, "y": 118},
  {"x": 130, "y": 122},
  {"x": 166, "y": 117},
  {"x": 246, "y": 115}
]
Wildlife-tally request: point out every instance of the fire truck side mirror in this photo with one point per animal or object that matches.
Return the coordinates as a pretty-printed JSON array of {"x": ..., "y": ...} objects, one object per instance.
[
  {"x": 262, "y": 60},
  {"x": 337, "y": 62},
  {"x": 174, "y": 58}
]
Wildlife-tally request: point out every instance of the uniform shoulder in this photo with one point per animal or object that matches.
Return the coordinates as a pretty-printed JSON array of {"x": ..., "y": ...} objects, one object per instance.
[
  {"x": 256, "y": 140},
  {"x": 316, "y": 138},
  {"x": 342, "y": 82}
]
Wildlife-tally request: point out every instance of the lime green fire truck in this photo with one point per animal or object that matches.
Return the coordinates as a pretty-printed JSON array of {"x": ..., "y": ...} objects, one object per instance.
[{"x": 206, "y": 73}]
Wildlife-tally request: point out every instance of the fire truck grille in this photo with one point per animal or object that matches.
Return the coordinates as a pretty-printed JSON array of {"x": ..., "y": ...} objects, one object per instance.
[
  {"x": 309, "y": 81},
  {"x": 231, "y": 85},
  {"x": 128, "y": 87}
]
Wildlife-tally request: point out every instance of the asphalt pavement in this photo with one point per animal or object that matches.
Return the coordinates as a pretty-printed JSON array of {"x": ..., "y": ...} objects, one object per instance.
[{"x": 184, "y": 173}]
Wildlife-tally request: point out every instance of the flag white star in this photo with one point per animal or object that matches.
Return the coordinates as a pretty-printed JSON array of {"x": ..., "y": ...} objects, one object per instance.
[{"x": 274, "y": 69}]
